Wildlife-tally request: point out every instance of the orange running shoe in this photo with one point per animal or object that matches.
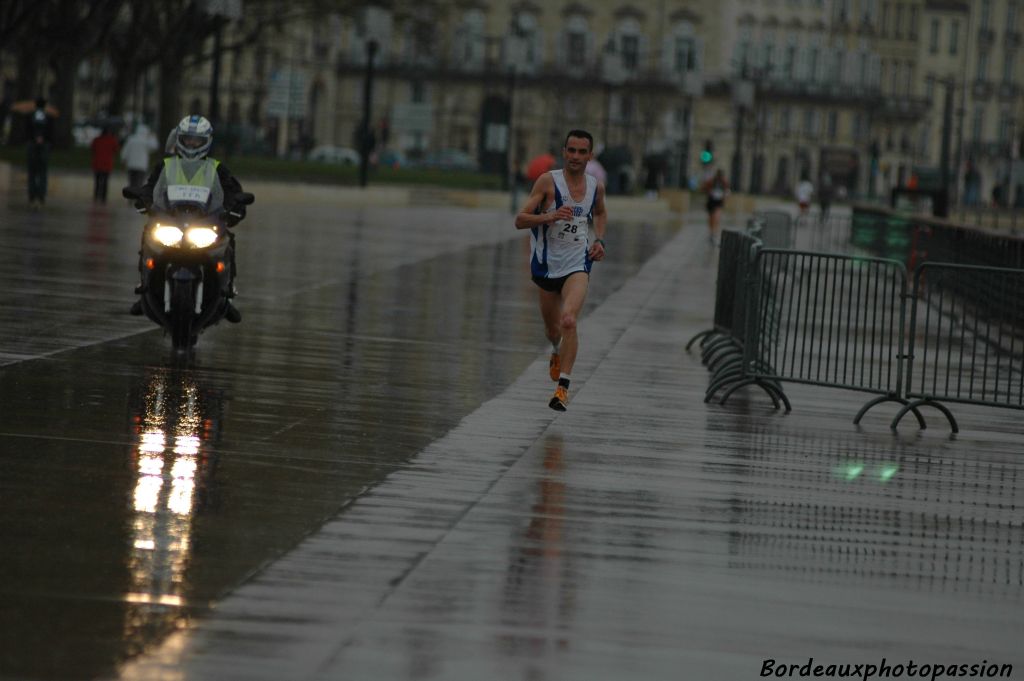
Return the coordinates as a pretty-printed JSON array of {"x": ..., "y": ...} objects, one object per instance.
[
  {"x": 560, "y": 399},
  {"x": 554, "y": 367}
]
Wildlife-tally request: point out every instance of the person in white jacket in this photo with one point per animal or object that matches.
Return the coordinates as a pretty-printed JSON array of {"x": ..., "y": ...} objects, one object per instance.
[{"x": 135, "y": 154}]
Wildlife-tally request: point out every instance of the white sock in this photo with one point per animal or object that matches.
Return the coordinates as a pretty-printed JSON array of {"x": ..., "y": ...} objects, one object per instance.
[{"x": 554, "y": 346}]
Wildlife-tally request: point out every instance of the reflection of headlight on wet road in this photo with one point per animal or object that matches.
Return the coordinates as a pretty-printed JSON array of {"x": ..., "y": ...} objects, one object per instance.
[
  {"x": 183, "y": 485},
  {"x": 187, "y": 445},
  {"x": 152, "y": 442}
]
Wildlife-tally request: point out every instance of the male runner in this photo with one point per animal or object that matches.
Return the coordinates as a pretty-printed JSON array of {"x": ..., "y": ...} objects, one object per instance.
[{"x": 559, "y": 213}]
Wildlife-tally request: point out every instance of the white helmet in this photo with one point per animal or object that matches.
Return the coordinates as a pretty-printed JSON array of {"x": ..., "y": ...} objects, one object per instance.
[{"x": 195, "y": 135}]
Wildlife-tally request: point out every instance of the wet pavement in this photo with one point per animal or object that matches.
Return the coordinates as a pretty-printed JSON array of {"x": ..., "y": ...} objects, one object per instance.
[{"x": 363, "y": 481}]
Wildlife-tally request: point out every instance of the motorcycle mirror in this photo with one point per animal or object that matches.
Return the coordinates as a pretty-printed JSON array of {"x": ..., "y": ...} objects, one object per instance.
[{"x": 245, "y": 198}]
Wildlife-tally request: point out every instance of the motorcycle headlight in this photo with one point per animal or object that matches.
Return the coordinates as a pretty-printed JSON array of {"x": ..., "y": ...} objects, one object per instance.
[
  {"x": 201, "y": 237},
  {"x": 168, "y": 235}
]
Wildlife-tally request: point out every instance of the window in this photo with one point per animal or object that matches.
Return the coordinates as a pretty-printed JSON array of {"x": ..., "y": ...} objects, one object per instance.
[
  {"x": 884, "y": 24},
  {"x": 933, "y": 38},
  {"x": 954, "y": 36},
  {"x": 977, "y": 123},
  {"x": 630, "y": 51},
  {"x": 768, "y": 59},
  {"x": 785, "y": 120},
  {"x": 864, "y": 71},
  {"x": 468, "y": 47},
  {"x": 912, "y": 29},
  {"x": 685, "y": 54},
  {"x": 789, "y": 61},
  {"x": 813, "y": 55},
  {"x": 417, "y": 93},
  {"x": 1008, "y": 59},
  {"x": 929, "y": 87},
  {"x": 982, "y": 73},
  {"x": 1005, "y": 126},
  {"x": 811, "y": 122},
  {"x": 868, "y": 11},
  {"x": 898, "y": 32},
  {"x": 1011, "y": 16},
  {"x": 833, "y": 124},
  {"x": 577, "y": 49},
  {"x": 574, "y": 44},
  {"x": 986, "y": 14}
]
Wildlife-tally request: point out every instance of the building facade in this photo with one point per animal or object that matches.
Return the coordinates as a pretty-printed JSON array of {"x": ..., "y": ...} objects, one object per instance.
[{"x": 772, "y": 90}]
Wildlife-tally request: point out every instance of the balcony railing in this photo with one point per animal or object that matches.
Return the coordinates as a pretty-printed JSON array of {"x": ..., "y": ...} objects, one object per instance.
[
  {"x": 904, "y": 108},
  {"x": 1008, "y": 90},
  {"x": 550, "y": 72},
  {"x": 982, "y": 89},
  {"x": 989, "y": 149}
]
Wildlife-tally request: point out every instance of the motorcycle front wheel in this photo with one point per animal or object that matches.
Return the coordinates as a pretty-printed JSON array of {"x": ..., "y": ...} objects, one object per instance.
[{"x": 182, "y": 316}]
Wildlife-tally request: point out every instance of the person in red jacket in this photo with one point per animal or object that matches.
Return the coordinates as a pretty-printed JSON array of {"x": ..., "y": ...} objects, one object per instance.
[{"x": 104, "y": 149}]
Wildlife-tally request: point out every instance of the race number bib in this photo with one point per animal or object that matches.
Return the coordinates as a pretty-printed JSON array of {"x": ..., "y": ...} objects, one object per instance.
[
  {"x": 572, "y": 230},
  {"x": 187, "y": 192}
]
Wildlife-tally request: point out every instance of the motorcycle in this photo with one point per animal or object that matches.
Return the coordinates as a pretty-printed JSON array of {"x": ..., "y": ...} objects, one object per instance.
[{"x": 186, "y": 261}]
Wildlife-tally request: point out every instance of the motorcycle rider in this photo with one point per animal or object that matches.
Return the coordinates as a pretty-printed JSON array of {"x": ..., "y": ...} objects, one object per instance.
[{"x": 191, "y": 165}]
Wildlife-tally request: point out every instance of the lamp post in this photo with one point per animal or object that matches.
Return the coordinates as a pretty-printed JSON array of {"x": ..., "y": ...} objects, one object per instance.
[
  {"x": 743, "y": 98},
  {"x": 376, "y": 24},
  {"x": 366, "y": 140},
  {"x": 516, "y": 53},
  {"x": 222, "y": 12}
]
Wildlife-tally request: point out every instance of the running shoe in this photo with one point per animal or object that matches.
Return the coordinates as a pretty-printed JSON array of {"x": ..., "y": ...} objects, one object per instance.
[
  {"x": 560, "y": 399},
  {"x": 554, "y": 367}
]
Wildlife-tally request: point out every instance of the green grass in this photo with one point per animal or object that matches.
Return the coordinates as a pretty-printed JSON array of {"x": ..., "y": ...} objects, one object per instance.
[{"x": 260, "y": 168}]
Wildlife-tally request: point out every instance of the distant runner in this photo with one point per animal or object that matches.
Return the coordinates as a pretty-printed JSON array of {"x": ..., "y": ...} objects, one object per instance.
[{"x": 559, "y": 213}]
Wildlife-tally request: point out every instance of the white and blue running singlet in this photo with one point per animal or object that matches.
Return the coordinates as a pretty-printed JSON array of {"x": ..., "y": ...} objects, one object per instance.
[{"x": 561, "y": 248}]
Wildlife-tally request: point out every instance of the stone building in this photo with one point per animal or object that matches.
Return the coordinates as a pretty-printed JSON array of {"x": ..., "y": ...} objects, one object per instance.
[{"x": 772, "y": 89}]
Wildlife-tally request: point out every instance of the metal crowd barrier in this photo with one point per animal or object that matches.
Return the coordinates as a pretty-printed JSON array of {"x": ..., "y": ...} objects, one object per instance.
[
  {"x": 966, "y": 338},
  {"x": 734, "y": 253},
  {"x": 773, "y": 227},
  {"x": 847, "y": 321},
  {"x": 827, "y": 320}
]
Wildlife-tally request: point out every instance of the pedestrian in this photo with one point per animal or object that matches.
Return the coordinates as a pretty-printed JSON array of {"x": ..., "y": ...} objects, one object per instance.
[
  {"x": 717, "y": 188},
  {"x": 825, "y": 195},
  {"x": 135, "y": 154},
  {"x": 104, "y": 148},
  {"x": 566, "y": 216},
  {"x": 804, "y": 193},
  {"x": 40, "y": 140}
]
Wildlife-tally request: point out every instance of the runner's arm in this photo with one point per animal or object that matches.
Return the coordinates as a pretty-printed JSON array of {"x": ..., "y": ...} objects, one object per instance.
[
  {"x": 529, "y": 216},
  {"x": 600, "y": 223}
]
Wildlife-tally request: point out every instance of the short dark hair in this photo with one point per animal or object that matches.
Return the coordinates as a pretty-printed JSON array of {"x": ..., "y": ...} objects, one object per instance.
[{"x": 582, "y": 134}]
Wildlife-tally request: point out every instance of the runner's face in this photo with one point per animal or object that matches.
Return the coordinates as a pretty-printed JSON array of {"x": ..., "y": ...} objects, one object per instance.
[{"x": 576, "y": 153}]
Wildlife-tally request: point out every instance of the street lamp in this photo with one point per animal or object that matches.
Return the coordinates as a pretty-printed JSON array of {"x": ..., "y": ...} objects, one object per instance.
[
  {"x": 517, "y": 54},
  {"x": 222, "y": 12},
  {"x": 366, "y": 140},
  {"x": 375, "y": 25},
  {"x": 743, "y": 98}
]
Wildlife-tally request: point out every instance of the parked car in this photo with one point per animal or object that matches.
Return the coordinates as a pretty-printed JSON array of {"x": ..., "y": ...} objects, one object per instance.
[
  {"x": 390, "y": 158},
  {"x": 340, "y": 155},
  {"x": 448, "y": 159}
]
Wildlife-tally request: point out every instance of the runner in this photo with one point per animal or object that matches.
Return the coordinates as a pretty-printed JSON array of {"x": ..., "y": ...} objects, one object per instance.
[{"x": 559, "y": 213}]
